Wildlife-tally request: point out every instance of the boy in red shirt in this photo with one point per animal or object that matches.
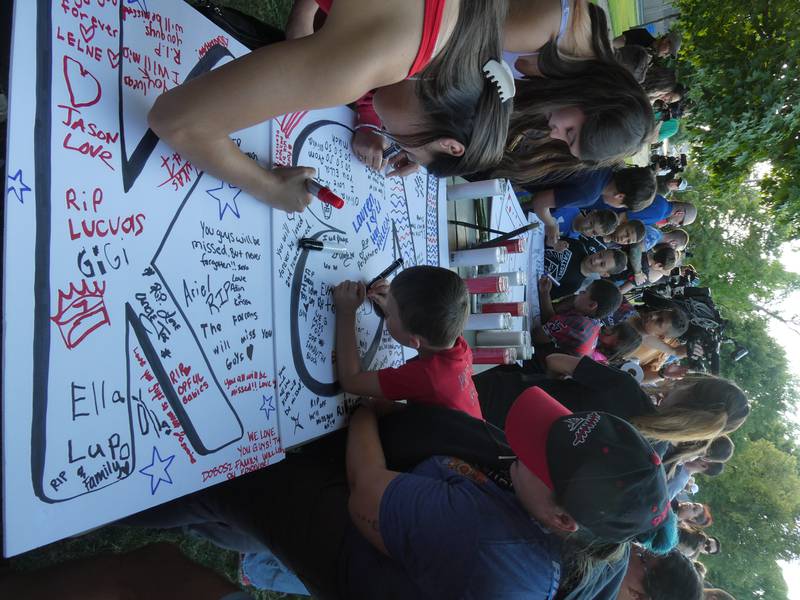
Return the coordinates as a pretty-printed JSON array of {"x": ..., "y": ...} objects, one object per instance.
[
  {"x": 575, "y": 327},
  {"x": 425, "y": 309}
]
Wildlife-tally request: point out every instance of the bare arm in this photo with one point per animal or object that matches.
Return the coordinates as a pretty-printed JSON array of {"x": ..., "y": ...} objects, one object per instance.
[
  {"x": 367, "y": 475},
  {"x": 546, "y": 310},
  {"x": 541, "y": 204},
  {"x": 334, "y": 66},
  {"x": 652, "y": 341},
  {"x": 561, "y": 365},
  {"x": 301, "y": 19},
  {"x": 348, "y": 296}
]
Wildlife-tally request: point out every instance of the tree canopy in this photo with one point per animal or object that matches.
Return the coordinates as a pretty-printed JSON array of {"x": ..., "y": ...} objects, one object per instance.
[{"x": 741, "y": 59}]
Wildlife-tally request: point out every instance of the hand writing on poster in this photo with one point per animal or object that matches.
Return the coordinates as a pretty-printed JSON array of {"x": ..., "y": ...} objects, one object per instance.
[
  {"x": 286, "y": 189},
  {"x": 368, "y": 146},
  {"x": 349, "y": 295},
  {"x": 402, "y": 165},
  {"x": 378, "y": 293}
]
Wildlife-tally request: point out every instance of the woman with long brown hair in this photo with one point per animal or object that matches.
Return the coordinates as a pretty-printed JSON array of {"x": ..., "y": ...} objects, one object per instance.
[
  {"x": 691, "y": 412},
  {"x": 577, "y": 115}
]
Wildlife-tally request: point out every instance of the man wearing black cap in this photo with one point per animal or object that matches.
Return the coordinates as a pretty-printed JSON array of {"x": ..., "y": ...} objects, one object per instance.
[
  {"x": 451, "y": 531},
  {"x": 447, "y": 529}
]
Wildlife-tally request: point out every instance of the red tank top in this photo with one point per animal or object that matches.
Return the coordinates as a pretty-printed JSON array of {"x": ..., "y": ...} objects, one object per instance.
[{"x": 432, "y": 22}]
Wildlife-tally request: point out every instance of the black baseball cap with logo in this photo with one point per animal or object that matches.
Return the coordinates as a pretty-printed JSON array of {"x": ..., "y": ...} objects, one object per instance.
[{"x": 600, "y": 468}]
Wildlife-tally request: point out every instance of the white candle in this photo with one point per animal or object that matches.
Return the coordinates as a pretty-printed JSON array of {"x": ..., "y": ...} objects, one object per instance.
[
  {"x": 479, "y": 256},
  {"x": 475, "y": 189},
  {"x": 524, "y": 352},
  {"x": 488, "y": 321},
  {"x": 503, "y": 338},
  {"x": 514, "y": 277}
]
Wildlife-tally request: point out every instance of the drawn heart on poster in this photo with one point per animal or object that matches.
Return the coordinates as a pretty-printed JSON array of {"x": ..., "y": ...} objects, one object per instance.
[
  {"x": 249, "y": 351},
  {"x": 83, "y": 87},
  {"x": 88, "y": 32},
  {"x": 113, "y": 58}
]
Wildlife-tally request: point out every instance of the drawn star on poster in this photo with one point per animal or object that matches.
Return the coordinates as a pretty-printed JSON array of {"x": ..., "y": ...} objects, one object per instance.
[
  {"x": 267, "y": 405},
  {"x": 157, "y": 470},
  {"x": 18, "y": 187},
  {"x": 142, "y": 4},
  {"x": 226, "y": 198}
]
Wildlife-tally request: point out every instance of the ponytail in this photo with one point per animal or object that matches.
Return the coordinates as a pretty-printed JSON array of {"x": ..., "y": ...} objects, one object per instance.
[{"x": 458, "y": 100}]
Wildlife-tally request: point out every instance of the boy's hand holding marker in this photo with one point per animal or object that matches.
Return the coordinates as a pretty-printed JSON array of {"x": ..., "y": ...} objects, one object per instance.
[
  {"x": 378, "y": 292},
  {"x": 349, "y": 295}
]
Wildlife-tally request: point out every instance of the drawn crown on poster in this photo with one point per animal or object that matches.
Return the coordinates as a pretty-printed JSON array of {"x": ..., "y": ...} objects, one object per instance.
[{"x": 78, "y": 300}]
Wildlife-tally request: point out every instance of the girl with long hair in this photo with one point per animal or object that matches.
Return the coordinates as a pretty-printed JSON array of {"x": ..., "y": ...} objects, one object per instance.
[
  {"x": 577, "y": 115},
  {"x": 572, "y": 30},
  {"x": 433, "y": 96},
  {"x": 694, "y": 410}
]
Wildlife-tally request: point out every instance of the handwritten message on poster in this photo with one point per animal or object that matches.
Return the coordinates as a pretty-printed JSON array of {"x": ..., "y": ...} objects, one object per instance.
[
  {"x": 383, "y": 219},
  {"x": 139, "y": 358}
]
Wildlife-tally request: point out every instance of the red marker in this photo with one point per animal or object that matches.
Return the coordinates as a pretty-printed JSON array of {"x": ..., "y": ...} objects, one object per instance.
[{"x": 324, "y": 193}]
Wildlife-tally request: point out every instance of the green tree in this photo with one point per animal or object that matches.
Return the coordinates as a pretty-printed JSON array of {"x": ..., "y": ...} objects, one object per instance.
[
  {"x": 756, "y": 504},
  {"x": 764, "y": 376},
  {"x": 741, "y": 61},
  {"x": 735, "y": 246}
]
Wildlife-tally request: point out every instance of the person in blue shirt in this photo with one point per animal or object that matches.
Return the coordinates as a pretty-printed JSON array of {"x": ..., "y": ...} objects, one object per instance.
[
  {"x": 447, "y": 528},
  {"x": 678, "y": 239},
  {"x": 576, "y": 222},
  {"x": 630, "y": 188},
  {"x": 663, "y": 212},
  {"x": 456, "y": 532}
]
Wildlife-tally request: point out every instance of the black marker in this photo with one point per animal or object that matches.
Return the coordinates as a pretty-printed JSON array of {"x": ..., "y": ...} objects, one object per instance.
[
  {"x": 312, "y": 244},
  {"x": 392, "y": 150},
  {"x": 386, "y": 272},
  {"x": 383, "y": 275}
]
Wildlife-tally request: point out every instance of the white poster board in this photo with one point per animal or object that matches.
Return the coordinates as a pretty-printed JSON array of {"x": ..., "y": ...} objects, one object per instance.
[
  {"x": 382, "y": 219},
  {"x": 138, "y": 350},
  {"x": 144, "y": 300}
]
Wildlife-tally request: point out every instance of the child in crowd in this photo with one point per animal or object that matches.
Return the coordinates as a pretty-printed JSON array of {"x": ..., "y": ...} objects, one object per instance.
[
  {"x": 665, "y": 45},
  {"x": 425, "y": 309},
  {"x": 576, "y": 263},
  {"x": 626, "y": 234},
  {"x": 653, "y": 265},
  {"x": 658, "y": 325},
  {"x": 681, "y": 213},
  {"x": 662, "y": 212},
  {"x": 676, "y": 238},
  {"x": 616, "y": 343},
  {"x": 573, "y": 327},
  {"x": 574, "y": 223},
  {"x": 631, "y": 188},
  {"x": 578, "y": 115},
  {"x": 426, "y": 61},
  {"x": 694, "y": 514}
]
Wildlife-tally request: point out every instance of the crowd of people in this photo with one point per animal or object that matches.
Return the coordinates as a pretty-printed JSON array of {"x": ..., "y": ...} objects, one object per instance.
[{"x": 565, "y": 477}]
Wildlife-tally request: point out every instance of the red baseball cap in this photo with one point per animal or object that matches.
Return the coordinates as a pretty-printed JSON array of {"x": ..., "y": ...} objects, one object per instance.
[
  {"x": 600, "y": 468},
  {"x": 528, "y": 424}
]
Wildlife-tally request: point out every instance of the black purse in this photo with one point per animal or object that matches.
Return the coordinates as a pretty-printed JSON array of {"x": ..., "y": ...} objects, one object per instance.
[{"x": 246, "y": 29}]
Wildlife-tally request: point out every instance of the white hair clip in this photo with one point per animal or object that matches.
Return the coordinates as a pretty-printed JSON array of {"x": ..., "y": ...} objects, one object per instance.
[{"x": 499, "y": 73}]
